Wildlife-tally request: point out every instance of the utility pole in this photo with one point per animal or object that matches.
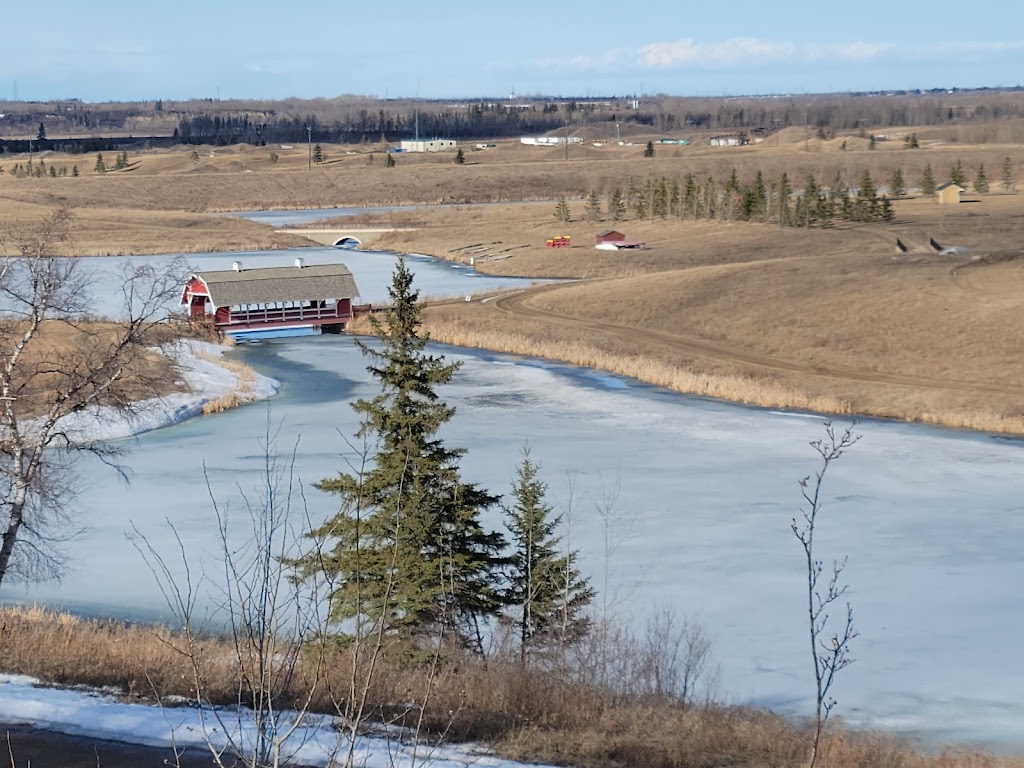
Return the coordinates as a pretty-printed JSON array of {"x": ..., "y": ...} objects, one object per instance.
[{"x": 309, "y": 145}]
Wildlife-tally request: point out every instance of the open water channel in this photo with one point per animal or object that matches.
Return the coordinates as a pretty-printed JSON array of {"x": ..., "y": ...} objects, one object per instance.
[{"x": 696, "y": 497}]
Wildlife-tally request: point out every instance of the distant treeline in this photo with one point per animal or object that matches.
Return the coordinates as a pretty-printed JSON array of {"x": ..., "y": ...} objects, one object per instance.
[
  {"x": 365, "y": 119},
  {"x": 474, "y": 122},
  {"x": 84, "y": 146}
]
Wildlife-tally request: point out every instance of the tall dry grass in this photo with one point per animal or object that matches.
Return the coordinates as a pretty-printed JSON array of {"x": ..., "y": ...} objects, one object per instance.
[
  {"x": 528, "y": 714},
  {"x": 245, "y": 382},
  {"x": 750, "y": 390}
]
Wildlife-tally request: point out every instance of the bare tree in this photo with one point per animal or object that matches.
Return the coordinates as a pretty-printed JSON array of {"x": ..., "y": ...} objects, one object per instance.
[
  {"x": 276, "y": 625},
  {"x": 54, "y": 362},
  {"x": 829, "y": 650}
]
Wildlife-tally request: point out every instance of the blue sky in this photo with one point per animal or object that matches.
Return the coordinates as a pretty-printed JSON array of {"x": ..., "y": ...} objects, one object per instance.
[{"x": 118, "y": 50}]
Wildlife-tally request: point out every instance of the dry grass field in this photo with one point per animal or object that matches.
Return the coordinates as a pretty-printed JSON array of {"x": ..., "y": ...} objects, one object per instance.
[
  {"x": 72, "y": 349},
  {"x": 828, "y": 319},
  {"x": 525, "y": 714}
]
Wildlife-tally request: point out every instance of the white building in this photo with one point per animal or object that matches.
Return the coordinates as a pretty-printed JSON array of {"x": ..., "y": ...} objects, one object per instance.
[
  {"x": 548, "y": 141},
  {"x": 428, "y": 145}
]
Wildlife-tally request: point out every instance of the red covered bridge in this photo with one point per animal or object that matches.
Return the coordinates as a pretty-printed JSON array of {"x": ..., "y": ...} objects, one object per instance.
[{"x": 273, "y": 301}]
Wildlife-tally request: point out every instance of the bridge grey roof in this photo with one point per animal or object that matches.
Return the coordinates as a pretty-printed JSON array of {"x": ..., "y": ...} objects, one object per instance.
[{"x": 269, "y": 284}]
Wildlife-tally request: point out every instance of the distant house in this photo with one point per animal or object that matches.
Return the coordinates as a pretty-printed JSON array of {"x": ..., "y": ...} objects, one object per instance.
[
  {"x": 726, "y": 141},
  {"x": 949, "y": 193},
  {"x": 428, "y": 145},
  {"x": 610, "y": 236}
]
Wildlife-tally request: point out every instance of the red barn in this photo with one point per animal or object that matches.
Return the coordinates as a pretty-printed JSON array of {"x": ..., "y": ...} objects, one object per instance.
[
  {"x": 610, "y": 236},
  {"x": 273, "y": 301}
]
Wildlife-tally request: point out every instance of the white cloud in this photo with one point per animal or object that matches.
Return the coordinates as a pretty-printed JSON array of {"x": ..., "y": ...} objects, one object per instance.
[
  {"x": 738, "y": 52},
  {"x": 722, "y": 54}
]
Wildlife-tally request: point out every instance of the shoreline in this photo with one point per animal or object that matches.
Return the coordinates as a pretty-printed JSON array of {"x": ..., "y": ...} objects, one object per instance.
[
  {"x": 724, "y": 387},
  {"x": 213, "y": 384}
]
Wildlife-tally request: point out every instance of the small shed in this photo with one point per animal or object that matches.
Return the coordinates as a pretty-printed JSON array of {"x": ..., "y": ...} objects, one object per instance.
[
  {"x": 949, "y": 193},
  {"x": 609, "y": 236}
]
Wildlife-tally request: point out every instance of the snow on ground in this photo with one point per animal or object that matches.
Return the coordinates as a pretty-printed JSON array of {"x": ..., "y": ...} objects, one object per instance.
[
  {"x": 206, "y": 378},
  {"x": 24, "y": 701}
]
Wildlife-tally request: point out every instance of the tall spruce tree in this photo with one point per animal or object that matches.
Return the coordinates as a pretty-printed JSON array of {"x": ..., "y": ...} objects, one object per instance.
[
  {"x": 957, "y": 175},
  {"x": 562, "y": 212},
  {"x": 546, "y": 593},
  {"x": 897, "y": 185},
  {"x": 592, "y": 208},
  {"x": 981, "y": 180},
  {"x": 409, "y": 556},
  {"x": 785, "y": 192},
  {"x": 1007, "y": 178},
  {"x": 616, "y": 206},
  {"x": 928, "y": 181}
]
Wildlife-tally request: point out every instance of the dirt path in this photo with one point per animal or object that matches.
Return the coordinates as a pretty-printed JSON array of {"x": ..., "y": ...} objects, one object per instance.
[{"x": 521, "y": 304}]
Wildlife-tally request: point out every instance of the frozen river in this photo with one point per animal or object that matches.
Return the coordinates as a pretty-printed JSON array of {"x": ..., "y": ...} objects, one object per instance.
[{"x": 701, "y": 493}]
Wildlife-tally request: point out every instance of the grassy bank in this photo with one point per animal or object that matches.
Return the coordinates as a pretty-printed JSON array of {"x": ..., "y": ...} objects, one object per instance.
[{"x": 540, "y": 714}]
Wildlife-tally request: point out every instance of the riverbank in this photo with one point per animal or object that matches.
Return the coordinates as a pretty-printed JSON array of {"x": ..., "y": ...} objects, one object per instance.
[
  {"x": 207, "y": 383},
  {"x": 521, "y": 715}
]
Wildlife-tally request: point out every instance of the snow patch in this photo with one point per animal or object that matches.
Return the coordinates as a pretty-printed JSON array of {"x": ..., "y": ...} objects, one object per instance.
[
  {"x": 207, "y": 380},
  {"x": 316, "y": 742}
]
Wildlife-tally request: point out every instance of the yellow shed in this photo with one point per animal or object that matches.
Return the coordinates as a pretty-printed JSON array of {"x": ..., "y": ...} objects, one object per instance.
[{"x": 949, "y": 193}]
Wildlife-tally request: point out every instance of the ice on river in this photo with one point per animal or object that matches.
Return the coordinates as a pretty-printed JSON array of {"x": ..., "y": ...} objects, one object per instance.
[{"x": 700, "y": 496}]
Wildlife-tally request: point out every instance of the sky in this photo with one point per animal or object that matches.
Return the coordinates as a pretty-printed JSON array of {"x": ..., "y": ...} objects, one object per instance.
[{"x": 114, "y": 50}]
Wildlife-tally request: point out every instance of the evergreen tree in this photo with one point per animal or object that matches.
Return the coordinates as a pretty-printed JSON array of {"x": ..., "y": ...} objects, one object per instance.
[
  {"x": 897, "y": 186},
  {"x": 460, "y": 157},
  {"x": 760, "y": 197},
  {"x": 690, "y": 196},
  {"x": 409, "y": 556},
  {"x": 592, "y": 209},
  {"x": 1007, "y": 178},
  {"x": 101, "y": 167},
  {"x": 888, "y": 214},
  {"x": 871, "y": 143},
  {"x": 957, "y": 176},
  {"x": 731, "y": 196},
  {"x": 53, "y": 172},
  {"x": 649, "y": 150},
  {"x": 41, "y": 133},
  {"x": 74, "y": 170},
  {"x": 659, "y": 198},
  {"x": 318, "y": 154},
  {"x": 928, "y": 181},
  {"x": 785, "y": 192},
  {"x": 545, "y": 588},
  {"x": 634, "y": 195},
  {"x": 981, "y": 180},
  {"x": 673, "y": 198},
  {"x": 640, "y": 205},
  {"x": 562, "y": 212},
  {"x": 867, "y": 205},
  {"x": 389, "y": 160},
  {"x": 812, "y": 193},
  {"x": 616, "y": 206},
  {"x": 710, "y": 197}
]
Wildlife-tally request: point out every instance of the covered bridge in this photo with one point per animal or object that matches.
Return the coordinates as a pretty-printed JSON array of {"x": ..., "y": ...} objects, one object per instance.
[{"x": 273, "y": 301}]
